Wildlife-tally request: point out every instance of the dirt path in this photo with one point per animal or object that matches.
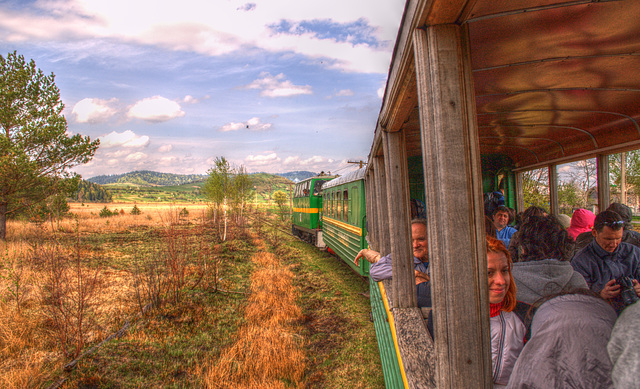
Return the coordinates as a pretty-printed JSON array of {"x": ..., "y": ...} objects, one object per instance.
[{"x": 268, "y": 351}]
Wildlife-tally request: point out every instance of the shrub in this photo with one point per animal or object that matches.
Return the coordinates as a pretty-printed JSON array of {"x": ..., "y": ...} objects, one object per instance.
[
  {"x": 135, "y": 210},
  {"x": 106, "y": 212}
]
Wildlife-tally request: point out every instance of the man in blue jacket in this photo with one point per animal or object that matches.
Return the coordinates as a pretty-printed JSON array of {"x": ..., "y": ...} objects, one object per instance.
[
  {"x": 607, "y": 259},
  {"x": 381, "y": 266},
  {"x": 500, "y": 221}
]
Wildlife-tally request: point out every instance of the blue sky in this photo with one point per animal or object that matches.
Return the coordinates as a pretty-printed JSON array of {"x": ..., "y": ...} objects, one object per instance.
[{"x": 276, "y": 85}]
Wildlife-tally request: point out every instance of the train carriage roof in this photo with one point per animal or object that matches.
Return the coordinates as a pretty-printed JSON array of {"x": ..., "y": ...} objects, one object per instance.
[
  {"x": 349, "y": 177},
  {"x": 555, "y": 81}
]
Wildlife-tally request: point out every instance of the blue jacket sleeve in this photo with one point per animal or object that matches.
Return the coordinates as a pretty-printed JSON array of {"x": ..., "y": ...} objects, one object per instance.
[{"x": 381, "y": 270}]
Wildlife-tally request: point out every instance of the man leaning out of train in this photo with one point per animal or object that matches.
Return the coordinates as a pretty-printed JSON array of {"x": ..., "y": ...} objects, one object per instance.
[{"x": 381, "y": 266}]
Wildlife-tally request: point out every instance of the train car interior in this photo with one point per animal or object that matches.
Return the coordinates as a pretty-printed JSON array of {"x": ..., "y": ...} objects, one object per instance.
[{"x": 478, "y": 93}]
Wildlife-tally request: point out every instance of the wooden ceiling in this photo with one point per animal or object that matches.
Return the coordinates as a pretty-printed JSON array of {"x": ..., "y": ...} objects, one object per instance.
[{"x": 554, "y": 81}]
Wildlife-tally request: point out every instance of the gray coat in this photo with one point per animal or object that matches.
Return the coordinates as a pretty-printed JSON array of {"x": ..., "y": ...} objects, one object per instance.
[
  {"x": 536, "y": 279},
  {"x": 568, "y": 345},
  {"x": 624, "y": 348}
]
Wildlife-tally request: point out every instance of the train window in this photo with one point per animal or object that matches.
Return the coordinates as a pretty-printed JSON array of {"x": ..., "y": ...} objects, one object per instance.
[
  {"x": 339, "y": 205},
  {"x": 332, "y": 203},
  {"x": 317, "y": 187},
  {"x": 354, "y": 213},
  {"x": 345, "y": 209}
]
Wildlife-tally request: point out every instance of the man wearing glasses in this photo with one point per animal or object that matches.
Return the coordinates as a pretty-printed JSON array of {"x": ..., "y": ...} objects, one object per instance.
[{"x": 605, "y": 260}]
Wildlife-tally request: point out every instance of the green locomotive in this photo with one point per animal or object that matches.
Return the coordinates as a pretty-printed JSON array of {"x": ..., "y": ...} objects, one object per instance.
[{"x": 306, "y": 216}]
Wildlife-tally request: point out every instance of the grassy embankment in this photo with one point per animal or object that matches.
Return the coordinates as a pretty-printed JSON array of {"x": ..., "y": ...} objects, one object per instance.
[{"x": 259, "y": 310}]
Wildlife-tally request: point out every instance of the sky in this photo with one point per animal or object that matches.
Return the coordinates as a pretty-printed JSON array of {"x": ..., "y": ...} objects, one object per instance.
[{"x": 168, "y": 86}]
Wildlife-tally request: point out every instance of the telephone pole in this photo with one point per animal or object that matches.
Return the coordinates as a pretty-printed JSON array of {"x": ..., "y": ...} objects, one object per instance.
[{"x": 361, "y": 163}]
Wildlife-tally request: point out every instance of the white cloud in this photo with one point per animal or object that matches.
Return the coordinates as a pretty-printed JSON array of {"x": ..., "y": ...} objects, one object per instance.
[
  {"x": 215, "y": 27},
  {"x": 278, "y": 86},
  {"x": 345, "y": 92},
  {"x": 123, "y": 139},
  {"x": 381, "y": 91},
  {"x": 262, "y": 160},
  {"x": 165, "y": 148},
  {"x": 253, "y": 124},
  {"x": 135, "y": 157},
  {"x": 155, "y": 109},
  {"x": 314, "y": 162},
  {"x": 93, "y": 110}
]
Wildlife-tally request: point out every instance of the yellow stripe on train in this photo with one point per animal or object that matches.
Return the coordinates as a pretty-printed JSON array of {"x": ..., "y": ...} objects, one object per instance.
[
  {"x": 344, "y": 226},
  {"x": 307, "y": 210}
]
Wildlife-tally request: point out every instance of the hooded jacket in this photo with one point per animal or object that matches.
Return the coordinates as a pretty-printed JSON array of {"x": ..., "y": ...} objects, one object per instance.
[
  {"x": 537, "y": 279},
  {"x": 624, "y": 348},
  {"x": 568, "y": 345},
  {"x": 581, "y": 221}
]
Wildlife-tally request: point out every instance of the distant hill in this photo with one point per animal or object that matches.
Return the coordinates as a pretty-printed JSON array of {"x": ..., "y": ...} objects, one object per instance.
[
  {"x": 297, "y": 175},
  {"x": 148, "y": 178}
]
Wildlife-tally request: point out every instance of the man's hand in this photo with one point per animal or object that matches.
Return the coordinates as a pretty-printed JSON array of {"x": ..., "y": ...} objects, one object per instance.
[
  {"x": 611, "y": 290},
  {"x": 421, "y": 277},
  {"x": 370, "y": 255},
  {"x": 636, "y": 287}
]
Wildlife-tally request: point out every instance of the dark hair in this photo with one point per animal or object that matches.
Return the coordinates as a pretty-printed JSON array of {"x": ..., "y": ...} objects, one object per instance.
[
  {"x": 610, "y": 219},
  {"x": 533, "y": 211},
  {"x": 541, "y": 237},
  {"x": 625, "y": 213},
  {"x": 501, "y": 208}
]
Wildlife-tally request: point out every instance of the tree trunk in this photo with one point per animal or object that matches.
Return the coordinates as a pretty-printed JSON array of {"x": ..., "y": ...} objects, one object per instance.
[
  {"x": 3, "y": 220},
  {"x": 225, "y": 220}
]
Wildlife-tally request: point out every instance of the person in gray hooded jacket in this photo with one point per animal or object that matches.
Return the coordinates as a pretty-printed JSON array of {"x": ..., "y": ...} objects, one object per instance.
[
  {"x": 624, "y": 348},
  {"x": 568, "y": 345},
  {"x": 541, "y": 254}
]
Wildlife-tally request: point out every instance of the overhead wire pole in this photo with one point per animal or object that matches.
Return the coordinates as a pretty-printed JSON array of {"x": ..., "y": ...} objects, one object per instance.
[{"x": 361, "y": 163}]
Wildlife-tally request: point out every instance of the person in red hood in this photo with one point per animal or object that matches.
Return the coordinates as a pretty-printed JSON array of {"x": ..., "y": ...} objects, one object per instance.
[{"x": 581, "y": 221}]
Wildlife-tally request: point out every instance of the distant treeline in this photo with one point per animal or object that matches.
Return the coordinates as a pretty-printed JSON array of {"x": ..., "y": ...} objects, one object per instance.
[
  {"x": 90, "y": 192},
  {"x": 148, "y": 178}
]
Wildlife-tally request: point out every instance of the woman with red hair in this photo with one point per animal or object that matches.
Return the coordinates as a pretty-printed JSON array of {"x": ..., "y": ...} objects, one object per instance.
[{"x": 507, "y": 329}]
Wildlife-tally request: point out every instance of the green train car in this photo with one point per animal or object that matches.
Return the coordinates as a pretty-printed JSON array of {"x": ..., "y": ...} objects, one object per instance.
[
  {"x": 344, "y": 219},
  {"x": 306, "y": 218}
]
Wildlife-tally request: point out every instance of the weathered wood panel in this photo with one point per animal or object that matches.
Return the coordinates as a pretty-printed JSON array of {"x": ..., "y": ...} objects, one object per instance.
[
  {"x": 602, "y": 164},
  {"x": 381, "y": 216},
  {"x": 456, "y": 218},
  {"x": 553, "y": 190},
  {"x": 399, "y": 210},
  {"x": 414, "y": 343}
]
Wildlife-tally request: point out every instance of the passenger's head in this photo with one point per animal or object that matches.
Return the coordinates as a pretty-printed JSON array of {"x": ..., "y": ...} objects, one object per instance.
[
  {"x": 533, "y": 211},
  {"x": 607, "y": 230},
  {"x": 419, "y": 239},
  {"x": 582, "y": 218},
  {"x": 624, "y": 212},
  {"x": 502, "y": 288},
  {"x": 565, "y": 220},
  {"x": 501, "y": 217},
  {"x": 543, "y": 237}
]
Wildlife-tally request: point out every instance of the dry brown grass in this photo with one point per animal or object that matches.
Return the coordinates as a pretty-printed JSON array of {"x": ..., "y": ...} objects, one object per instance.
[
  {"x": 268, "y": 352},
  {"x": 30, "y": 352},
  {"x": 89, "y": 221}
]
